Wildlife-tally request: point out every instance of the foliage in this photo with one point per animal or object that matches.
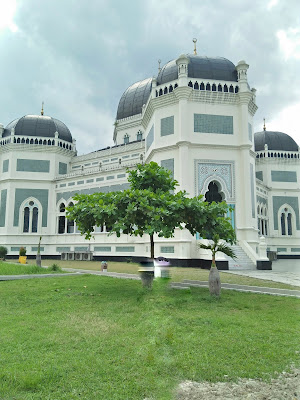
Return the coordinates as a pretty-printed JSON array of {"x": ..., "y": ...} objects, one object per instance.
[
  {"x": 3, "y": 252},
  {"x": 22, "y": 252},
  {"x": 54, "y": 268},
  {"x": 149, "y": 207}
]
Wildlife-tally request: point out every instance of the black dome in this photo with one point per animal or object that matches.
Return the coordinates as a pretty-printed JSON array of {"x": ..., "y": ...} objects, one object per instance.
[
  {"x": 134, "y": 98},
  {"x": 275, "y": 141},
  {"x": 217, "y": 68},
  {"x": 39, "y": 125}
]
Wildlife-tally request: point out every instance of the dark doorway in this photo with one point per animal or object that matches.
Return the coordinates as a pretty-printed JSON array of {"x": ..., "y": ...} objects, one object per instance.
[{"x": 213, "y": 193}]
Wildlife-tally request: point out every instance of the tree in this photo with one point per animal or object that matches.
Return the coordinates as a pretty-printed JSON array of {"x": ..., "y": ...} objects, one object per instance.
[
  {"x": 148, "y": 207},
  {"x": 222, "y": 231}
]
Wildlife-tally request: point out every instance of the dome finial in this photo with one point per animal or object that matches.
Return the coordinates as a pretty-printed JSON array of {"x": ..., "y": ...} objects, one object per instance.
[
  {"x": 264, "y": 124},
  {"x": 195, "y": 48},
  {"x": 42, "y": 110},
  {"x": 159, "y": 68}
]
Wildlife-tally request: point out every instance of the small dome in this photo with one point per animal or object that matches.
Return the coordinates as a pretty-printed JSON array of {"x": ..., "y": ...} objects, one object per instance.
[
  {"x": 38, "y": 125},
  {"x": 275, "y": 141},
  {"x": 216, "y": 68},
  {"x": 133, "y": 99}
]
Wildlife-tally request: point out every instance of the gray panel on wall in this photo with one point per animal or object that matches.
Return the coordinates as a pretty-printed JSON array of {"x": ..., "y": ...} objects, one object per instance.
[
  {"x": 169, "y": 165},
  {"x": 262, "y": 200},
  {"x": 125, "y": 249},
  {"x": 279, "y": 201},
  {"x": 35, "y": 248},
  {"x": 295, "y": 249},
  {"x": 284, "y": 176},
  {"x": 167, "y": 126},
  {"x": 206, "y": 123},
  {"x": 102, "y": 248},
  {"x": 62, "y": 168},
  {"x": 62, "y": 249},
  {"x": 81, "y": 248},
  {"x": 259, "y": 175},
  {"x": 103, "y": 189},
  {"x": 280, "y": 249},
  {"x": 250, "y": 131},
  {"x": 167, "y": 249},
  {"x": 252, "y": 190},
  {"x": 3, "y": 207},
  {"x": 22, "y": 194},
  {"x": 150, "y": 138},
  {"x": 33, "y": 165},
  {"x": 5, "y": 165}
]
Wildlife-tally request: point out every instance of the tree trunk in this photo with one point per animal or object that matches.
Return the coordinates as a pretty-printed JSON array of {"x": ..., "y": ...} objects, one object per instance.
[
  {"x": 214, "y": 281},
  {"x": 152, "y": 247},
  {"x": 38, "y": 260}
]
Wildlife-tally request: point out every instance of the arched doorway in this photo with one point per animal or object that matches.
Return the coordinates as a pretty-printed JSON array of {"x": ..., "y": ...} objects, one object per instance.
[{"x": 213, "y": 193}]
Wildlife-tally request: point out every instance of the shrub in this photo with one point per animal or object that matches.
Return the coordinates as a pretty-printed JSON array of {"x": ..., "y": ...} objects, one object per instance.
[
  {"x": 54, "y": 267},
  {"x": 22, "y": 251},
  {"x": 3, "y": 252}
]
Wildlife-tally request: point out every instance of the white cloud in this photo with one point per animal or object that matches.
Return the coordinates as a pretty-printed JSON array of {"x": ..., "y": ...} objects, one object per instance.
[
  {"x": 272, "y": 3},
  {"x": 7, "y": 12},
  {"x": 289, "y": 42},
  {"x": 287, "y": 121}
]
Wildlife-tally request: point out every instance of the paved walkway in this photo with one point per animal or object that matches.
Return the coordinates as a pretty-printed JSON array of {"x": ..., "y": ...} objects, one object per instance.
[
  {"x": 186, "y": 284},
  {"x": 284, "y": 271}
]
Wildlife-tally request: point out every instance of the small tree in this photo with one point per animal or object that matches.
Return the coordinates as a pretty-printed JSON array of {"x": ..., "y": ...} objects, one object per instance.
[
  {"x": 223, "y": 232},
  {"x": 3, "y": 252}
]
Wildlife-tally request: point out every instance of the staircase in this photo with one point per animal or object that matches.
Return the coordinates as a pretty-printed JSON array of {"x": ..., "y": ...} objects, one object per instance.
[{"x": 242, "y": 261}]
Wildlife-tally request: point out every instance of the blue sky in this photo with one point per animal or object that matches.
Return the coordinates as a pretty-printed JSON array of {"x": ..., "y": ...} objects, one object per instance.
[{"x": 80, "y": 56}]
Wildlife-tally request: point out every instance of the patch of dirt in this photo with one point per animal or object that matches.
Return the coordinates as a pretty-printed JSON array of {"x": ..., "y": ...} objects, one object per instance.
[{"x": 285, "y": 387}]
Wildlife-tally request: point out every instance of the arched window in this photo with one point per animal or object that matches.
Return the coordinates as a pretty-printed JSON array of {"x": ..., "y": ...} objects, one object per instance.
[
  {"x": 160, "y": 92},
  {"x": 225, "y": 88},
  {"x": 220, "y": 88},
  {"x": 26, "y": 220},
  {"x": 170, "y": 89},
  {"x": 202, "y": 87},
  {"x": 30, "y": 210},
  {"x": 64, "y": 224},
  {"x": 236, "y": 90},
  {"x": 126, "y": 139},
  {"x": 208, "y": 86},
  {"x": 287, "y": 220},
  {"x": 190, "y": 84},
  {"x": 139, "y": 135},
  {"x": 231, "y": 89},
  {"x": 196, "y": 86},
  {"x": 214, "y": 88},
  {"x": 165, "y": 90}
]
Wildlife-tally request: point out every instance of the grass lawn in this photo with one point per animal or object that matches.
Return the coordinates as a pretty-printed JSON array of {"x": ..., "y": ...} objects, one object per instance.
[
  {"x": 90, "y": 337},
  {"x": 177, "y": 274},
  {"x": 7, "y": 268}
]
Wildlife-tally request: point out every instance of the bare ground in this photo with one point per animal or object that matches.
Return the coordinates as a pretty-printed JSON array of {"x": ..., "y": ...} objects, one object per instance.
[{"x": 285, "y": 387}]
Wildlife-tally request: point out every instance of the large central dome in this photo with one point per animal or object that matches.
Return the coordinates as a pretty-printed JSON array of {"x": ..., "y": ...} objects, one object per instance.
[
  {"x": 216, "y": 68},
  {"x": 199, "y": 67}
]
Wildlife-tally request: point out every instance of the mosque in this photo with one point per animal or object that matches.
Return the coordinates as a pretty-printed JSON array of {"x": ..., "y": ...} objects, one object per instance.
[{"x": 194, "y": 118}]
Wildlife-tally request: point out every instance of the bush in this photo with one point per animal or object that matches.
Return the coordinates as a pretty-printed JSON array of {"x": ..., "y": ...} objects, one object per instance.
[
  {"x": 3, "y": 252},
  {"x": 22, "y": 251},
  {"x": 54, "y": 267}
]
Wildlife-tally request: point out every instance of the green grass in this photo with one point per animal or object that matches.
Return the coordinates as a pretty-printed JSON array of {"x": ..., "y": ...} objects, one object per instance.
[
  {"x": 177, "y": 274},
  {"x": 90, "y": 337},
  {"x": 7, "y": 268}
]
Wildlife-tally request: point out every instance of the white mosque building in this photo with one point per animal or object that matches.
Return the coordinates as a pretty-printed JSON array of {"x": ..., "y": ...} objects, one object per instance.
[{"x": 194, "y": 118}]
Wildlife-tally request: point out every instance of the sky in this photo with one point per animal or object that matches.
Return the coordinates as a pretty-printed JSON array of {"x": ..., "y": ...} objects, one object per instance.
[{"x": 80, "y": 56}]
